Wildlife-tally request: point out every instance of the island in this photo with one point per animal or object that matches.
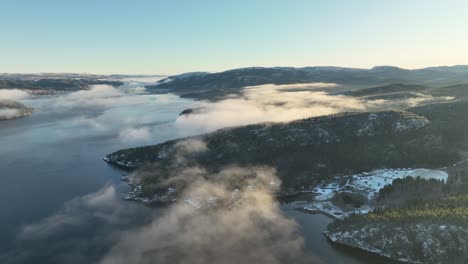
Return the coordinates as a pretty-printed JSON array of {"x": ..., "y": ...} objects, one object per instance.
[{"x": 12, "y": 109}]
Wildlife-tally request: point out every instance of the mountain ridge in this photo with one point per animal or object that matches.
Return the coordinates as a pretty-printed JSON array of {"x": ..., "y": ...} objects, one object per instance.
[{"x": 204, "y": 85}]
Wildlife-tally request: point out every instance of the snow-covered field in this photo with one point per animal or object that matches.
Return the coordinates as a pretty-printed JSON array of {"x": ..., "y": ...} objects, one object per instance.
[
  {"x": 372, "y": 182},
  {"x": 368, "y": 184}
]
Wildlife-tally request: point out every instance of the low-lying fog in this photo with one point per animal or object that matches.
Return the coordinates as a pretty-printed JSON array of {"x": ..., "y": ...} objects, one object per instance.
[
  {"x": 136, "y": 117},
  {"x": 281, "y": 103},
  {"x": 55, "y": 155}
]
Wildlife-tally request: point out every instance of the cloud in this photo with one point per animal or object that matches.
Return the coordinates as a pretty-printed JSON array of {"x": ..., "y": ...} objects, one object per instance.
[
  {"x": 9, "y": 113},
  {"x": 89, "y": 123},
  {"x": 13, "y": 94},
  {"x": 98, "y": 96},
  {"x": 100, "y": 205},
  {"x": 12, "y": 109},
  {"x": 81, "y": 232},
  {"x": 278, "y": 103},
  {"x": 403, "y": 103},
  {"x": 129, "y": 114},
  {"x": 138, "y": 90},
  {"x": 299, "y": 86},
  {"x": 190, "y": 146},
  {"x": 239, "y": 222},
  {"x": 248, "y": 229},
  {"x": 131, "y": 135},
  {"x": 105, "y": 111},
  {"x": 123, "y": 127},
  {"x": 282, "y": 103}
]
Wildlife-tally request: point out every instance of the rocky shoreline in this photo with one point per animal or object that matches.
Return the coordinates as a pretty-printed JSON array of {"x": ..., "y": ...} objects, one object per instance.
[{"x": 337, "y": 240}]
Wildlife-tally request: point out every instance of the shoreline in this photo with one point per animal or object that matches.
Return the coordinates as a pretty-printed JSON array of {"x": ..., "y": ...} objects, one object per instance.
[
  {"x": 357, "y": 250},
  {"x": 327, "y": 234},
  {"x": 316, "y": 212}
]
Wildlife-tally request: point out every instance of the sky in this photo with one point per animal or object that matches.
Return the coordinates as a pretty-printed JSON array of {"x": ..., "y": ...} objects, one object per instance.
[{"x": 170, "y": 37}]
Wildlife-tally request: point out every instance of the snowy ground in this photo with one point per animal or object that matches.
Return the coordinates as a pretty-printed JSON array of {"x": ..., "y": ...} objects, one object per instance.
[
  {"x": 367, "y": 184},
  {"x": 372, "y": 182}
]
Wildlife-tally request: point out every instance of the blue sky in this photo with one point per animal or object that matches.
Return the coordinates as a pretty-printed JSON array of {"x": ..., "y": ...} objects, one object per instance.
[{"x": 168, "y": 37}]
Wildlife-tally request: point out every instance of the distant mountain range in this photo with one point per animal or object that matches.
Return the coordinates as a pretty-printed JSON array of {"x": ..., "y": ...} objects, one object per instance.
[
  {"x": 50, "y": 82},
  {"x": 56, "y": 84},
  {"x": 206, "y": 85}
]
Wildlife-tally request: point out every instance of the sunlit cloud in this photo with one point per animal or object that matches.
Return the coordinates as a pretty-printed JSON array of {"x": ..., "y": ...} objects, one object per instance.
[
  {"x": 132, "y": 135},
  {"x": 13, "y": 94},
  {"x": 269, "y": 103},
  {"x": 102, "y": 228}
]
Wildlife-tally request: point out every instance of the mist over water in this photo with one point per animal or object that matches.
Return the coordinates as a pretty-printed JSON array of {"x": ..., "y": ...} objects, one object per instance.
[
  {"x": 282, "y": 103},
  {"x": 56, "y": 154},
  {"x": 270, "y": 103},
  {"x": 63, "y": 203},
  {"x": 254, "y": 230}
]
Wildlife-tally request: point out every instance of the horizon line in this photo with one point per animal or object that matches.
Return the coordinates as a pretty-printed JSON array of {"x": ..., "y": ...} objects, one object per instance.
[{"x": 230, "y": 69}]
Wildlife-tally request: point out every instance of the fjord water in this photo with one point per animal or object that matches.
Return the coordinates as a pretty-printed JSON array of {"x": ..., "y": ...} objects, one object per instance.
[{"x": 56, "y": 155}]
